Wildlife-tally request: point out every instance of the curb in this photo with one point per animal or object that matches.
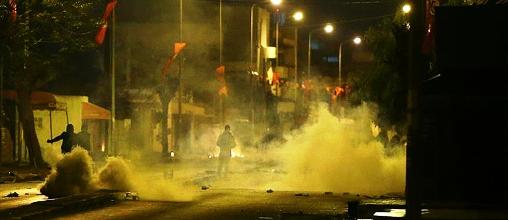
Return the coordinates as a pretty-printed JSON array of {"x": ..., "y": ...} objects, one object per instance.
[{"x": 64, "y": 204}]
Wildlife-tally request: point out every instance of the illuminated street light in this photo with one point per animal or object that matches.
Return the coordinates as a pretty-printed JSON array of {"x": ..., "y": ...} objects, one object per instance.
[
  {"x": 298, "y": 16},
  {"x": 357, "y": 40},
  {"x": 406, "y": 8},
  {"x": 329, "y": 28},
  {"x": 276, "y": 2}
]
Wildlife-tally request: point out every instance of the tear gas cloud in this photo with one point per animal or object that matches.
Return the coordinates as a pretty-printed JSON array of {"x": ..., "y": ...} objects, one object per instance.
[
  {"x": 343, "y": 155},
  {"x": 73, "y": 174},
  {"x": 326, "y": 154}
]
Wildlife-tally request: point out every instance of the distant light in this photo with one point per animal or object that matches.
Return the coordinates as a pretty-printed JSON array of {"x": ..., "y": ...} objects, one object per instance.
[
  {"x": 298, "y": 16},
  {"x": 406, "y": 8},
  {"x": 329, "y": 28},
  {"x": 408, "y": 26},
  {"x": 254, "y": 73},
  {"x": 172, "y": 154},
  {"x": 357, "y": 40},
  {"x": 276, "y": 2},
  {"x": 103, "y": 147}
]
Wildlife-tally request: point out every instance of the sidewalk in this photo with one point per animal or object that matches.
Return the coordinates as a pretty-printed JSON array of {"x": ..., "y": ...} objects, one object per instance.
[
  {"x": 13, "y": 173},
  {"x": 45, "y": 207}
]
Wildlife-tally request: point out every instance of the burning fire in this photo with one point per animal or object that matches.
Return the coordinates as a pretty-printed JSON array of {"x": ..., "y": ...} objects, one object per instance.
[{"x": 234, "y": 154}]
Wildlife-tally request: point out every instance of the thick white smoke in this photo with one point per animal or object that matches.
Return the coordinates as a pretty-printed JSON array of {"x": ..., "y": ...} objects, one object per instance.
[
  {"x": 73, "y": 174},
  {"x": 331, "y": 154}
]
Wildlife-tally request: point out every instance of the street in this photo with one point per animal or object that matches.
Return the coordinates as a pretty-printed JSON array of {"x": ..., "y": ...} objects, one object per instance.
[{"x": 222, "y": 204}]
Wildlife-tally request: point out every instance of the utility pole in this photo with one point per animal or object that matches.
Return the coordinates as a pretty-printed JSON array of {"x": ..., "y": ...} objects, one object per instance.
[
  {"x": 222, "y": 98},
  {"x": 340, "y": 64},
  {"x": 113, "y": 84},
  {"x": 416, "y": 68},
  {"x": 180, "y": 66},
  {"x": 296, "y": 64}
]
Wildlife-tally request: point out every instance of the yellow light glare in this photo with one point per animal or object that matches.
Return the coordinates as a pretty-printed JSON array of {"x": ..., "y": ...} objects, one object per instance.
[
  {"x": 276, "y": 2},
  {"x": 298, "y": 16},
  {"x": 406, "y": 8},
  {"x": 357, "y": 40},
  {"x": 329, "y": 28}
]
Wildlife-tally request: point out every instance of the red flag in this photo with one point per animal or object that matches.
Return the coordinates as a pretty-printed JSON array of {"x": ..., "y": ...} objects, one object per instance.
[
  {"x": 14, "y": 10},
  {"x": 109, "y": 8},
  {"x": 99, "y": 38},
  {"x": 276, "y": 78},
  {"x": 220, "y": 73},
  {"x": 179, "y": 47},
  {"x": 430, "y": 11},
  {"x": 223, "y": 90},
  {"x": 220, "y": 70},
  {"x": 165, "y": 69}
]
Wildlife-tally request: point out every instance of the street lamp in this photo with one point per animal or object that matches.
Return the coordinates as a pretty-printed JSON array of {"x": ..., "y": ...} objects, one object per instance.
[
  {"x": 357, "y": 40},
  {"x": 276, "y": 2},
  {"x": 252, "y": 7},
  {"x": 251, "y": 60},
  {"x": 297, "y": 16},
  {"x": 328, "y": 29},
  {"x": 406, "y": 8}
]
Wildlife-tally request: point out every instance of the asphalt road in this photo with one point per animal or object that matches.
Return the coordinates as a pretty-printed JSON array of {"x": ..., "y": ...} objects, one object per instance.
[{"x": 223, "y": 204}]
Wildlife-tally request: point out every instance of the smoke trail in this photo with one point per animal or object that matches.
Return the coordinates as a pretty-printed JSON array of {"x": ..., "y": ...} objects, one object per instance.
[
  {"x": 51, "y": 154},
  {"x": 115, "y": 175},
  {"x": 341, "y": 155},
  {"x": 72, "y": 175}
]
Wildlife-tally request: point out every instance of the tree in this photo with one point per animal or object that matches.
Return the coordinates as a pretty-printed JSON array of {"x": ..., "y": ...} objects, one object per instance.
[
  {"x": 385, "y": 83},
  {"x": 39, "y": 36}
]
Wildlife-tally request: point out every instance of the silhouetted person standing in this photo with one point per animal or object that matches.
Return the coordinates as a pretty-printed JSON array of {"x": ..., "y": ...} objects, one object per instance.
[
  {"x": 68, "y": 138},
  {"x": 83, "y": 138},
  {"x": 226, "y": 142}
]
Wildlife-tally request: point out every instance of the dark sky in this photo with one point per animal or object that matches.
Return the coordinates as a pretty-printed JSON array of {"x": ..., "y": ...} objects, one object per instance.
[{"x": 352, "y": 16}]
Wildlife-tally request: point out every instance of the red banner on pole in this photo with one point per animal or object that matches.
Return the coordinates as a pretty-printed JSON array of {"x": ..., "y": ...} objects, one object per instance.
[
  {"x": 109, "y": 9},
  {"x": 101, "y": 34},
  {"x": 223, "y": 90},
  {"x": 99, "y": 38},
  {"x": 430, "y": 12},
  {"x": 179, "y": 47},
  {"x": 14, "y": 10}
]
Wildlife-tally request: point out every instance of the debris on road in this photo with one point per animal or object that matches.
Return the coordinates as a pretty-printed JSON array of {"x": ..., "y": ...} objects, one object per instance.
[
  {"x": 205, "y": 187},
  {"x": 302, "y": 194},
  {"x": 328, "y": 193},
  {"x": 12, "y": 194},
  {"x": 131, "y": 196},
  {"x": 269, "y": 191}
]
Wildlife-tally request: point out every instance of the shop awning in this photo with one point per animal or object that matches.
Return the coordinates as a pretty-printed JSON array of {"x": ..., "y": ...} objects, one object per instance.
[
  {"x": 91, "y": 111},
  {"x": 39, "y": 100}
]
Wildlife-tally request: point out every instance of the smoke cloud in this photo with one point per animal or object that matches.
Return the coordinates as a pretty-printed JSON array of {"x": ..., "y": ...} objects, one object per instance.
[
  {"x": 73, "y": 174},
  {"x": 332, "y": 154},
  {"x": 326, "y": 154}
]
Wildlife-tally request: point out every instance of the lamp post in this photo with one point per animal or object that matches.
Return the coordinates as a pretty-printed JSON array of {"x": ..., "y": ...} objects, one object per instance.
[
  {"x": 297, "y": 16},
  {"x": 251, "y": 57},
  {"x": 357, "y": 41}
]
